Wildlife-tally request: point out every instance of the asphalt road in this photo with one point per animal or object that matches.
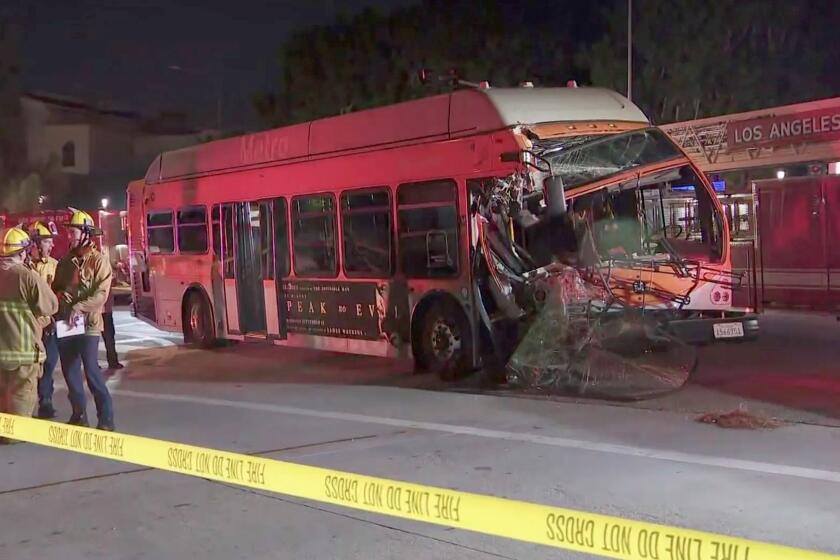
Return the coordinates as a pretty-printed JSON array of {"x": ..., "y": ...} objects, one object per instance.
[{"x": 649, "y": 461}]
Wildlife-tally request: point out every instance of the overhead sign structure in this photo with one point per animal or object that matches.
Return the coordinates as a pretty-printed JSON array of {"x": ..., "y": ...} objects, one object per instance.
[{"x": 793, "y": 128}]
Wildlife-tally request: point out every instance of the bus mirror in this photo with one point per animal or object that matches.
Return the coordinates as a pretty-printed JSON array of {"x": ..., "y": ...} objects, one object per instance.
[{"x": 555, "y": 196}]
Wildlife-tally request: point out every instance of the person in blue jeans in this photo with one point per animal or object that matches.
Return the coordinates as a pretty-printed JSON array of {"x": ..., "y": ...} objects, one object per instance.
[
  {"x": 43, "y": 240},
  {"x": 83, "y": 351},
  {"x": 82, "y": 282},
  {"x": 45, "y": 384}
]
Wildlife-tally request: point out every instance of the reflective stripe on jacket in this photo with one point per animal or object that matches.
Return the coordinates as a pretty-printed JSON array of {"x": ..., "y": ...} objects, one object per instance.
[{"x": 25, "y": 300}]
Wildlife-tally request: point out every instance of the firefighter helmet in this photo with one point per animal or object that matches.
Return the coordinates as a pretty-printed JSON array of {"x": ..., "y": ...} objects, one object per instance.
[
  {"x": 83, "y": 221},
  {"x": 13, "y": 241},
  {"x": 39, "y": 230}
]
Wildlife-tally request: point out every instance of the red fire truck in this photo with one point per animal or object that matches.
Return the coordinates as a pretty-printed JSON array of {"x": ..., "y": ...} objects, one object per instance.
[
  {"x": 777, "y": 169},
  {"x": 112, "y": 241},
  {"x": 797, "y": 258}
]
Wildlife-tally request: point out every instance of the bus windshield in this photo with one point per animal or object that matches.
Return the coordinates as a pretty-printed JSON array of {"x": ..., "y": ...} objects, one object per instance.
[{"x": 586, "y": 158}]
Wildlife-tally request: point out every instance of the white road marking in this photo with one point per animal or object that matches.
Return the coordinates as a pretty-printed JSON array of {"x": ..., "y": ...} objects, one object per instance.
[
  {"x": 160, "y": 341},
  {"x": 130, "y": 340},
  {"x": 616, "y": 449}
]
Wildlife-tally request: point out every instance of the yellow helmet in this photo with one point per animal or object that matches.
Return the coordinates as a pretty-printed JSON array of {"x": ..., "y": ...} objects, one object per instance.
[
  {"x": 83, "y": 221},
  {"x": 39, "y": 231},
  {"x": 12, "y": 241}
]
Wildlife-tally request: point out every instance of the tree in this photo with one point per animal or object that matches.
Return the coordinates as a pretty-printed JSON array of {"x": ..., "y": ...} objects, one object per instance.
[
  {"x": 693, "y": 58},
  {"x": 21, "y": 184},
  {"x": 372, "y": 59},
  {"x": 12, "y": 139}
]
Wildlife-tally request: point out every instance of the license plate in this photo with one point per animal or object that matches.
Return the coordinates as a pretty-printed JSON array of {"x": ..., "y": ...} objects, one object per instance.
[{"x": 728, "y": 330}]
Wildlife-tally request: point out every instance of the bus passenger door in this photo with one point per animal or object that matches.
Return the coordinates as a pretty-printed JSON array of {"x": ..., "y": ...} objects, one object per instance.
[
  {"x": 275, "y": 264},
  {"x": 143, "y": 299},
  {"x": 243, "y": 254},
  {"x": 274, "y": 258},
  {"x": 229, "y": 270}
]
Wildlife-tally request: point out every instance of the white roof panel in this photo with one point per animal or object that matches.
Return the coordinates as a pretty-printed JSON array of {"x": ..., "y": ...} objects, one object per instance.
[
  {"x": 457, "y": 114},
  {"x": 542, "y": 105}
]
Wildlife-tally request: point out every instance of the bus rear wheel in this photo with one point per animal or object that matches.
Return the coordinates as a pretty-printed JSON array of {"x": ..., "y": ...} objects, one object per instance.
[
  {"x": 445, "y": 341},
  {"x": 198, "y": 322}
]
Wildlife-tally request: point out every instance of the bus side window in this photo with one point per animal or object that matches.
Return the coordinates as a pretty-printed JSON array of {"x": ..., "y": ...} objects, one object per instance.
[
  {"x": 367, "y": 233},
  {"x": 160, "y": 232},
  {"x": 192, "y": 230},
  {"x": 679, "y": 209},
  {"x": 428, "y": 229},
  {"x": 313, "y": 236}
]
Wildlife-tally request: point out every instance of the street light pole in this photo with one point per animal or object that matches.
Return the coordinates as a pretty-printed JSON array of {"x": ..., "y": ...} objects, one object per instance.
[
  {"x": 219, "y": 96},
  {"x": 630, "y": 50}
]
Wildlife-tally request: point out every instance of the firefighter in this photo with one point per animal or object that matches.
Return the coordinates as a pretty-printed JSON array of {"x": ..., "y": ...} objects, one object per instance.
[
  {"x": 41, "y": 262},
  {"x": 25, "y": 302},
  {"x": 82, "y": 281}
]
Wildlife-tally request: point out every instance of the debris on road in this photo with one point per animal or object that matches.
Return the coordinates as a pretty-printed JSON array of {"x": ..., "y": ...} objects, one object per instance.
[
  {"x": 740, "y": 419},
  {"x": 572, "y": 347}
]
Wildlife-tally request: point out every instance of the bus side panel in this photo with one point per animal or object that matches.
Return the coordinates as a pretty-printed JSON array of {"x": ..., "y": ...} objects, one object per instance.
[
  {"x": 393, "y": 299},
  {"x": 359, "y": 316},
  {"x": 173, "y": 275}
]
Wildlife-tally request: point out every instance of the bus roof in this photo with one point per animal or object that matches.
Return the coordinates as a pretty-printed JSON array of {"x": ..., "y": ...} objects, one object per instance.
[{"x": 441, "y": 117}]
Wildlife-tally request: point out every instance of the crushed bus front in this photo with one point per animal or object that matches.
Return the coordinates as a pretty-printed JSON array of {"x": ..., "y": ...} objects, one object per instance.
[{"x": 616, "y": 241}]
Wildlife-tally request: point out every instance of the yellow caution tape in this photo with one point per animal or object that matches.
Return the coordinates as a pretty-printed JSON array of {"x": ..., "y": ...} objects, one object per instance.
[{"x": 601, "y": 535}]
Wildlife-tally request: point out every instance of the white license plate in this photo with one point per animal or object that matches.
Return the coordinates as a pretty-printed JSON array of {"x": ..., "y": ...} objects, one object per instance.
[{"x": 728, "y": 330}]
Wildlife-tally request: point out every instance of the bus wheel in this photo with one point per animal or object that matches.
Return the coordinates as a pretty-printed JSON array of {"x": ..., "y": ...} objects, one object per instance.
[
  {"x": 445, "y": 341},
  {"x": 198, "y": 322}
]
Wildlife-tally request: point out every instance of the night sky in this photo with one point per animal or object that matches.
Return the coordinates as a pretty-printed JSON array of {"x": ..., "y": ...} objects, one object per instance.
[{"x": 119, "y": 51}]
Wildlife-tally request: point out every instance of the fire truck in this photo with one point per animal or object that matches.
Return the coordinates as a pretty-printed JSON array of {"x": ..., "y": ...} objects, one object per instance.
[
  {"x": 112, "y": 241},
  {"x": 796, "y": 263},
  {"x": 777, "y": 173}
]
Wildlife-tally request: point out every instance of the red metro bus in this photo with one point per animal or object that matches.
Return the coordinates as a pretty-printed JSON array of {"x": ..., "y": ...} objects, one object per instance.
[{"x": 356, "y": 233}]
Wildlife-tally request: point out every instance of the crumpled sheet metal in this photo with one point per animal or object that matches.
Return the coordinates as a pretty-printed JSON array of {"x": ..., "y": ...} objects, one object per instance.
[{"x": 621, "y": 357}]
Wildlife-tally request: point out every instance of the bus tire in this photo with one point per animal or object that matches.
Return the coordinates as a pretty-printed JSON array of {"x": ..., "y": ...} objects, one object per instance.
[
  {"x": 445, "y": 341},
  {"x": 198, "y": 322}
]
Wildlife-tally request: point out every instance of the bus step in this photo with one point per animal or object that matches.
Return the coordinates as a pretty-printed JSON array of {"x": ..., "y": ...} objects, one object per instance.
[{"x": 257, "y": 336}]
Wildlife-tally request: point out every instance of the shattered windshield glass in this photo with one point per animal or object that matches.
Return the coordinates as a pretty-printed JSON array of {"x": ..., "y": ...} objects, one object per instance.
[{"x": 583, "y": 159}]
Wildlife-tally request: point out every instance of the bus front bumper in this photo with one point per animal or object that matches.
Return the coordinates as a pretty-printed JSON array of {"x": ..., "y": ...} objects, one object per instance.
[{"x": 716, "y": 329}]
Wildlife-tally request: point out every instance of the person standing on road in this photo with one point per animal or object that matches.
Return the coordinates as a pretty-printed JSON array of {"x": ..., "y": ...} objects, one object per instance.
[
  {"x": 82, "y": 282},
  {"x": 41, "y": 262},
  {"x": 25, "y": 302},
  {"x": 109, "y": 333}
]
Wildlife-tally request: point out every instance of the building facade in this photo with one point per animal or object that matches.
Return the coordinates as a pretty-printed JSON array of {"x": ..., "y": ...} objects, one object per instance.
[{"x": 95, "y": 151}]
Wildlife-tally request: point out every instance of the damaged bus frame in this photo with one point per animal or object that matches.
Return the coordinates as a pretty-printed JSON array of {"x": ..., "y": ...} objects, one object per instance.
[
  {"x": 433, "y": 229},
  {"x": 617, "y": 239}
]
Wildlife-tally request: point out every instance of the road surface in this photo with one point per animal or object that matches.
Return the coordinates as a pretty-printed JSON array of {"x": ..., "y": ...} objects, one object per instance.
[{"x": 649, "y": 461}]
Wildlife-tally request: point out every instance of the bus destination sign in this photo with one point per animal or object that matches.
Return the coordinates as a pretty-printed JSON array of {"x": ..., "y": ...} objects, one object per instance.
[{"x": 324, "y": 308}]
